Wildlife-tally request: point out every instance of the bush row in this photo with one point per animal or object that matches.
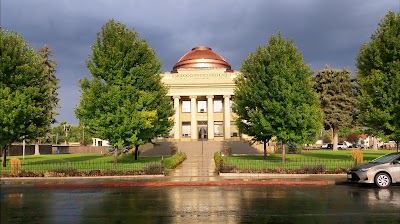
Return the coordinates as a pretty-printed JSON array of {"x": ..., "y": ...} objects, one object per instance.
[
  {"x": 217, "y": 160},
  {"x": 224, "y": 167},
  {"x": 174, "y": 161},
  {"x": 306, "y": 169},
  {"x": 72, "y": 172}
]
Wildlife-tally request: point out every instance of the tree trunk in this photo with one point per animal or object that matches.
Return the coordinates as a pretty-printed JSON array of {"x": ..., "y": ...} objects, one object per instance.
[
  {"x": 265, "y": 149},
  {"x": 375, "y": 145},
  {"x": 4, "y": 150},
  {"x": 37, "y": 148},
  {"x": 136, "y": 152},
  {"x": 283, "y": 154},
  {"x": 335, "y": 139},
  {"x": 23, "y": 149},
  {"x": 115, "y": 155}
]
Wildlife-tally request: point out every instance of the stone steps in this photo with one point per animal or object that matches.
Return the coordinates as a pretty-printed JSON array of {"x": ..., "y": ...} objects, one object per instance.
[{"x": 200, "y": 155}]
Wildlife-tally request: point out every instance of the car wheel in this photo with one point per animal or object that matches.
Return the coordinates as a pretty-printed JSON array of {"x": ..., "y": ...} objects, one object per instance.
[{"x": 382, "y": 180}]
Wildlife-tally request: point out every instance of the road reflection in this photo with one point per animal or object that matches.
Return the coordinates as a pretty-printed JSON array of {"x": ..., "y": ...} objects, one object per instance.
[{"x": 216, "y": 204}]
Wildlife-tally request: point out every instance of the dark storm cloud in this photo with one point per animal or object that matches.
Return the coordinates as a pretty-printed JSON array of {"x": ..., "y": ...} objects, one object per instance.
[{"x": 324, "y": 31}]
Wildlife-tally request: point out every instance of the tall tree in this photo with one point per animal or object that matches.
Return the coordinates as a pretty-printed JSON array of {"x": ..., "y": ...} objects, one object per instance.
[
  {"x": 25, "y": 99},
  {"x": 337, "y": 93},
  {"x": 52, "y": 81},
  {"x": 274, "y": 95},
  {"x": 378, "y": 65},
  {"x": 50, "y": 70},
  {"x": 125, "y": 102}
]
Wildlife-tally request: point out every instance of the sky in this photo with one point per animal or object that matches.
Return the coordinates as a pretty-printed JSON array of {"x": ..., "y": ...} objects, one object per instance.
[{"x": 326, "y": 32}]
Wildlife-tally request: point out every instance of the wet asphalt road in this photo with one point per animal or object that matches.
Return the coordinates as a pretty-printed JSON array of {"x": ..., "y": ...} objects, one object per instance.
[{"x": 207, "y": 204}]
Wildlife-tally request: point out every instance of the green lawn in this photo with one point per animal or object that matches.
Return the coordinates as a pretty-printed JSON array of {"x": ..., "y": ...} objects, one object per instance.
[
  {"x": 331, "y": 160},
  {"x": 82, "y": 162},
  {"x": 65, "y": 158}
]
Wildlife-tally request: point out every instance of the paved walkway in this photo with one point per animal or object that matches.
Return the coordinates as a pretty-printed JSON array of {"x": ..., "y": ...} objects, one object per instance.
[{"x": 199, "y": 164}]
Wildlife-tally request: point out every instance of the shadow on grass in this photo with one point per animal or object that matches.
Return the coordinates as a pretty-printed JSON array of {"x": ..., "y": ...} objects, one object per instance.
[
  {"x": 82, "y": 158},
  {"x": 313, "y": 155}
]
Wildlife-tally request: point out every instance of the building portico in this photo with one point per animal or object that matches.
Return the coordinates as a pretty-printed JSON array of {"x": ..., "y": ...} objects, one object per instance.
[{"x": 202, "y": 119}]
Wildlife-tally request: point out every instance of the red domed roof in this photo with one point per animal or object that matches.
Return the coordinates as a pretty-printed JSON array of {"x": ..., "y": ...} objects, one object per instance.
[{"x": 202, "y": 57}]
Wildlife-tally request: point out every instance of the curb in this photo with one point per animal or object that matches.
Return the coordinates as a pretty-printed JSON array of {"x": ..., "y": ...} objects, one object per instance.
[
  {"x": 84, "y": 178},
  {"x": 186, "y": 183},
  {"x": 269, "y": 175}
]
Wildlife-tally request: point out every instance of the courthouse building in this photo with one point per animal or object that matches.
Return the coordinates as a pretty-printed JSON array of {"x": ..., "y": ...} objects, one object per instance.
[{"x": 201, "y": 85}]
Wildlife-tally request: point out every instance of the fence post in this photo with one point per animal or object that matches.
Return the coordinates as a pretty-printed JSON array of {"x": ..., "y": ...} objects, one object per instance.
[{"x": 162, "y": 165}]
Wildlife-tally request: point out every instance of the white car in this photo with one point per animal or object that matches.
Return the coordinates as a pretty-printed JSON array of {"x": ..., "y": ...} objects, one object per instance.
[{"x": 342, "y": 145}]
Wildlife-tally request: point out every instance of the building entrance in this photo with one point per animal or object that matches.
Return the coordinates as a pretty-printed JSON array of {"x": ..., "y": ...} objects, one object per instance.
[{"x": 202, "y": 130}]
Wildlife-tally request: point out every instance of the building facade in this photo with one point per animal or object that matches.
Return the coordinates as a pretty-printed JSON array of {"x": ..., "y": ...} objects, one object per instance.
[{"x": 201, "y": 85}]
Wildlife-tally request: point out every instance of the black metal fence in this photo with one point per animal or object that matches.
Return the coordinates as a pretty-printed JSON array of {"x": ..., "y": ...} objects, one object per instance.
[
  {"x": 81, "y": 168},
  {"x": 297, "y": 165}
]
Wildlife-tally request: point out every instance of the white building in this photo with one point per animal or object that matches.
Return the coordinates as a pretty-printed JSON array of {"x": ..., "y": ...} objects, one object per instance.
[{"x": 201, "y": 84}]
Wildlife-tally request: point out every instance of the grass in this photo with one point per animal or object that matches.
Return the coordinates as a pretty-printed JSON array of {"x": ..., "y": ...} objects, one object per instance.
[
  {"x": 82, "y": 162},
  {"x": 331, "y": 160}
]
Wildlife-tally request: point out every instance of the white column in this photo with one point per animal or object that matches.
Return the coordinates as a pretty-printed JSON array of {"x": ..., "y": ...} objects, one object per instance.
[
  {"x": 210, "y": 117},
  {"x": 177, "y": 122},
  {"x": 227, "y": 117},
  {"x": 193, "y": 113}
]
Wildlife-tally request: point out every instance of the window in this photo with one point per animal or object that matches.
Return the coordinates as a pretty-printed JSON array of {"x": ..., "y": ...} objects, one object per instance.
[
  {"x": 218, "y": 128},
  {"x": 217, "y": 105},
  {"x": 185, "y": 106},
  {"x": 234, "y": 129},
  {"x": 201, "y": 106},
  {"x": 185, "y": 129}
]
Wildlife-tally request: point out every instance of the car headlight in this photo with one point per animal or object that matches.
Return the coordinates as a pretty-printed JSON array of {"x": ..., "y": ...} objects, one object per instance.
[{"x": 364, "y": 169}]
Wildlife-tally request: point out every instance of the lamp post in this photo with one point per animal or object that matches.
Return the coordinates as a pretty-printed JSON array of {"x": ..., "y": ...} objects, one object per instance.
[{"x": 202, "y": 133}]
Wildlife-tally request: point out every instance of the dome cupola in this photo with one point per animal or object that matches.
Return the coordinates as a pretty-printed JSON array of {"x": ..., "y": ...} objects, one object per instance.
[{"x": 202, "y": 57}]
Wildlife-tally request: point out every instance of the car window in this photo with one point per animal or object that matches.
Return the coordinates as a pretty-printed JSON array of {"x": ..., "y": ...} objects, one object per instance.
[{"x": 385, "y": 158}]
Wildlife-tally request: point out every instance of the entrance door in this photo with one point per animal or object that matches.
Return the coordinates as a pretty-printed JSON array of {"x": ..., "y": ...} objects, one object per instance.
[{"x": 202, "y": 129}]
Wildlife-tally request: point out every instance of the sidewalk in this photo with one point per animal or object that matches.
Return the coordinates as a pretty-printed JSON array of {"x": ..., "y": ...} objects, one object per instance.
[{"x": 159, "y": 180}]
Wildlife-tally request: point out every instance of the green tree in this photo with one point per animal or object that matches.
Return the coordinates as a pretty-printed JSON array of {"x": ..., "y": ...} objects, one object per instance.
[
  {"x": 274, "y": 95},
  {"x": 125, "y": 102},
  {"x": 50, "y": 70},
  {"x": 25, "y": 93},
  {"x": 337, "y": 93},
  {"x": 66, "y": 133},
  {"x": 378, "y": 65}
]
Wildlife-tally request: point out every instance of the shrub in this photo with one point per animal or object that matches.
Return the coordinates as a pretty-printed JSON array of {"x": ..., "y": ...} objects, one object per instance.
[
  {"x": 61, "y": 172},
  {"x": 227, "y": 150},
  {"x": 174, "y": 150},
  {"x": 154, "y": 168},
  {"x": 228, "y": 168},
  {"x": 125, "y": 151},
  {"x": 217, "y": 160},
  {"x": 174, "y": 161},
  {"x": 292, "y": 148},
  {"x": 357, "y": 156},
  {"x": 66, "y": 170},
  {"x": 314, "y": 169},
  {"x": 15, "y": 165}
]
